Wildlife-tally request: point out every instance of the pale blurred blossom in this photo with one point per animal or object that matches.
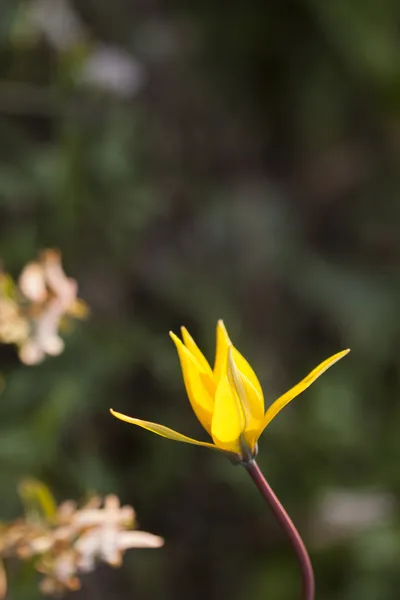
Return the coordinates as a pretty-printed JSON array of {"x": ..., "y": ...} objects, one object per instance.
[
  {"x": 62, "y": 575},
  {"x": 342, "y": 513},
  {"x": 45, "y": 278},
  {"x": 14, "y": 328},
  {"x": 32, "y": 312},
  {"x": 113, "y": 70},
  {"x": 32, "y": 282},
  {"x": 45, "y": 339},
  {"x": 108, "y": 538},
  {"x": 58, "y": 21},
  {"x": 3, "y": 580},
  {"x": 113, "y": 514},
  {"x": 102, "y": 66},
  {"x": 70, "y": 541}
]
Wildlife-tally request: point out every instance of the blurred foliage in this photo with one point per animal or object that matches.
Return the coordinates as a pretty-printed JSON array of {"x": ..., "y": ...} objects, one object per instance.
[{"x": 191, "y": 162}]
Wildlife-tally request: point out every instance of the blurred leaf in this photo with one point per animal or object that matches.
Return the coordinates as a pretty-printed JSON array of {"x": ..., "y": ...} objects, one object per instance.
[{"x": 37, "y": 499}]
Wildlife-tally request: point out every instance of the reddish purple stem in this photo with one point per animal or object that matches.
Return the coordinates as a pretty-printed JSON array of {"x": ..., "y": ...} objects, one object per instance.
[{"x": 286, "y": 523}]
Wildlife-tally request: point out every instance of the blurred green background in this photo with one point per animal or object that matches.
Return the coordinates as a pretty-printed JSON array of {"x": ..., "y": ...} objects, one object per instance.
[{"x": 194, "y": 161}]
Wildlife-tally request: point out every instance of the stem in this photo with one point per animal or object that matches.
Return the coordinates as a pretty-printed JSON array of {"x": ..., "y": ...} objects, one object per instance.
[{"x": 286, "y": 523}]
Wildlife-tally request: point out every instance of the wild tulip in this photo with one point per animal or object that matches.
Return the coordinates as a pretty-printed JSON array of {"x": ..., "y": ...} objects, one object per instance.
[
  {"x": 229, "y": 403},
  {"x": 228, "y": 399}
]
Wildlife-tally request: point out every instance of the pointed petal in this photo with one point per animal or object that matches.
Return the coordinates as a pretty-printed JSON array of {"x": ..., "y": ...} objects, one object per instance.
[
  {"x": 249, "y": 398},
  {"x": 194, "y": 349},
  {"x": 223, "y": 343},
  {"x": 251, "y": 402},
  {"x": 246, "y": 369},
  {"x": 277, "y": 406},
  {"x": 255, "y": 418},
  {"x": 229, "y": 418},
  {"x": 165, "y": 432},
  {"x": 199, "y": 386}
]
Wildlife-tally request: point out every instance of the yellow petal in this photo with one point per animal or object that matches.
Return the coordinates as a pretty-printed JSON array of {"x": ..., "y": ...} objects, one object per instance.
[
  {"x": 197, "y": 384},
  {"x": 300, "y": 387},
  {"x": 194, "y": 349},
  {"x": 250, "y": 400},
  {"x": 223, "y": 343},
  {"x": 161, "y": 430},
  {"x": 248, "y": 396},
  {"x": 255, "y": 415},
  {"x": 229, "y": 417},
  {"x": 221, "y": 353},
  {"x": 248, "y": 372}
]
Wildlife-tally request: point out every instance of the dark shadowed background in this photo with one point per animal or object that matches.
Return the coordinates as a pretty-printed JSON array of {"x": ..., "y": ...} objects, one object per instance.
[{"x": 194, "y": 161}]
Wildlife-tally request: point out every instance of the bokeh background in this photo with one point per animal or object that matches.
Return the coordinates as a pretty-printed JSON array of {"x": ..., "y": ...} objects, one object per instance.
[{"x": 192, "y": 161}]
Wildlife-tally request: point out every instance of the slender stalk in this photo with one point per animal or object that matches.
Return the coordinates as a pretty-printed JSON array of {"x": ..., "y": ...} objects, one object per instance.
[{"x": 286, "y": 523}]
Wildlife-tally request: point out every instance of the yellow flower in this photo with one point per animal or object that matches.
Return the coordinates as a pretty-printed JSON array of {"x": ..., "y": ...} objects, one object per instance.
[{"x": 227, "y": 400}]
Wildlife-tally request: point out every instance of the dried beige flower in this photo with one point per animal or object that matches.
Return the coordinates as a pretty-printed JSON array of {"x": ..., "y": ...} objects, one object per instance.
[
  {"x": 108, "y": 538},
  {"x": 14, "y": 328},
  {"x": 32, "y": 282},
  {"x": 3, "y": 581},
  {"x": 32, "y": 312},
  {"x": 67, "y": 541}
]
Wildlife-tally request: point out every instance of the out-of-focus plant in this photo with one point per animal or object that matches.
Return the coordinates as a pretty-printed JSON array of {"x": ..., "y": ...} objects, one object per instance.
[
  {"x": 65, "y": 541},
  {"x": 37, "y": 307}
]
